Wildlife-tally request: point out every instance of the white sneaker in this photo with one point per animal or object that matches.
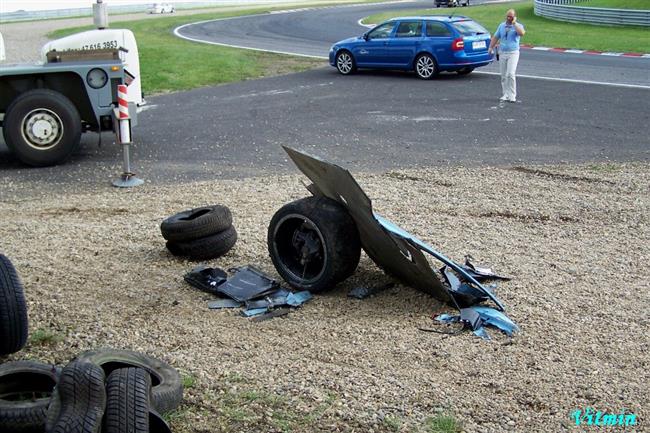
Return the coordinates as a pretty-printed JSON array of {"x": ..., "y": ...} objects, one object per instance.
[{"x": 503, "y": 99}]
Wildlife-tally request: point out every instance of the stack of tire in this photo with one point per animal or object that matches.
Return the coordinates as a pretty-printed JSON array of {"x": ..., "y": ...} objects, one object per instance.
[
  {"x": 112, "y": 391},
  {"x": 200, "y": 234},
  {"x": 13, "y": 309}
]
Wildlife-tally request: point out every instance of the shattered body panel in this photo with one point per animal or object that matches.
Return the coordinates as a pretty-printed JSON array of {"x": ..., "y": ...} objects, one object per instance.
[
  {"x": 395, "y": 250},
  {"x": 392, "y": 253}
]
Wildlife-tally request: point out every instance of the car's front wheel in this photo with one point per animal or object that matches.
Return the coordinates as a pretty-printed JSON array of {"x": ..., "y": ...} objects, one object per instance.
[
  {"x": 425, "y": 66},
  {"x": 345, "y": 63}
]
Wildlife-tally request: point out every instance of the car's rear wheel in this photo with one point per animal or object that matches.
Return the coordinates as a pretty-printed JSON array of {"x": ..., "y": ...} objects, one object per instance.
[
  {"x": 425, "y": 66},
  {"x": 345, "y": 63},
  {"x": 464, "y": 71}
]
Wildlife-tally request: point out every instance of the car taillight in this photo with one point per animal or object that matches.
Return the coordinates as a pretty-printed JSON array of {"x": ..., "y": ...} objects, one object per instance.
[{"x": 458, "y": 44}]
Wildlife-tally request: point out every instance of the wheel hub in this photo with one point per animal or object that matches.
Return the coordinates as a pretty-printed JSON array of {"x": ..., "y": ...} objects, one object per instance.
[
  {"x": 307, "y": 245},
  {"x": 425, "y": 68},
  {"x": 42, "y": 129},
  {"x": 345, "y": 63}
]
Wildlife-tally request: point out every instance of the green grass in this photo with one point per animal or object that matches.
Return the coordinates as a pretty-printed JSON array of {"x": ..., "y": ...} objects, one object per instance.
[
  {"x": 545, "y": 32},
  {"x": 394, "y": 423},
  {"x": 442, "y": 424},
  {"x": 616, "y": 4},
  {"x": 44, "y": 337},
  {"x": 236, "y": 404},
  {"x": 188, "y": 381},
  {"x": 169, "y": 64}
]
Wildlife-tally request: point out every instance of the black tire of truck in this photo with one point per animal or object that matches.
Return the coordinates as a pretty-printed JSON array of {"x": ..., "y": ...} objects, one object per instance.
[
  {"x": 196, "y": 223},
  {"x": 25, "y": 391},
  {"x": 127, "y": 401},
  {"x": 13, "y": 310},
  {"x": 166, "y": 384},
  {"x": 42, "y": 127},
  {"x": 314, "y": 243}
]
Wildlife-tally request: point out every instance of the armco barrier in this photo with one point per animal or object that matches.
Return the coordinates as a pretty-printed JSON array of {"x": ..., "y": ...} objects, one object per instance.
[{"x": 562, "y": 10}]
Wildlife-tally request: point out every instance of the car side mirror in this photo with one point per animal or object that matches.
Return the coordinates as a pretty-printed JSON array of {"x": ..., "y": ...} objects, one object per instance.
[{"x": 365, "y": 36}]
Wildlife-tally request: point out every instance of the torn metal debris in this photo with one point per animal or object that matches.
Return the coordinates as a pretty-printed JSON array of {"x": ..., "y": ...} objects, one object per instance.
[
  {"x": 248, "y": 288},
  {"x": 477, "y": 317},
  {"x": 362, "y": 292},
  {"x": 398, "y": 252}
]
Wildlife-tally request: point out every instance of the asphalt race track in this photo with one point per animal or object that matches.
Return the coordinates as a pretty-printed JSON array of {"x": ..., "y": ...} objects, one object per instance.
[{"x": 375, "y": 120}]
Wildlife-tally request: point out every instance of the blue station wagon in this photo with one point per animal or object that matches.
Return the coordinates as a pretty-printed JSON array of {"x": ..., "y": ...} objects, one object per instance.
[{"x": 425, "y": 44}]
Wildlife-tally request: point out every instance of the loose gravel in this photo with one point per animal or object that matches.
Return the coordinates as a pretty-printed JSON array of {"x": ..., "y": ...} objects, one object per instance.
[{"x": 575, "y": 240}]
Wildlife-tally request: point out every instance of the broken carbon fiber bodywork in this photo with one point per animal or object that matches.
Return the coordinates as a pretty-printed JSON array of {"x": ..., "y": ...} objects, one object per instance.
[{"x": 393, "y": 249}]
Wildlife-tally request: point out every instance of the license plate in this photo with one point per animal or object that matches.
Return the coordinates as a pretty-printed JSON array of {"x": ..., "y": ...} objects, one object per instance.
[{"x": 477, "y": 45}]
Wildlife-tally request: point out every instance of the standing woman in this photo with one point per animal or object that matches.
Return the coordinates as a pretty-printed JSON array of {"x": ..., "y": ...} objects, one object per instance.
[{"x": 506, "y": 38}]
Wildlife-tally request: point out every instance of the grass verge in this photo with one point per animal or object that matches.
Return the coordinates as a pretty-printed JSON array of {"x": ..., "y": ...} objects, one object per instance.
[
  {"x": 545, "y": 32},
  {"x": 616, "y": 4},
  {"x": 241, "y": 406},
  {"x": 169, "y": 64},
  {"x": 43, "y": 337}
]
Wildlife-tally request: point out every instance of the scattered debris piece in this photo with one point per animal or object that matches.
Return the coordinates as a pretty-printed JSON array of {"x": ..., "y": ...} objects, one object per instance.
[
  {"x": 476, "y": 318},
  {"x": 397, "y": 251},
  {"x": 363, "y": 292},
  {"x": 218, "y": 304},
  {"x": 247, "y": 283},
  {"x": 206, "y": 279},
  {"x": 248, "y": 287},
  {"x": 481, "y": 273},
  {"x": 271, "y": 314}
]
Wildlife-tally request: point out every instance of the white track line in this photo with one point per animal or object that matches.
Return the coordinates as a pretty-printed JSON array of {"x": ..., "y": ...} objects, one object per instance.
[
  {"x": 570, "y": 80},
  {"x": 535, "y": 77}
]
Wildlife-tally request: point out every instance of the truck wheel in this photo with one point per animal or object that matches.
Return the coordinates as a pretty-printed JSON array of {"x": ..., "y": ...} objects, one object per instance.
[
  {"x": 42, "y": 127},
  {"x": 314, "y": 243}
]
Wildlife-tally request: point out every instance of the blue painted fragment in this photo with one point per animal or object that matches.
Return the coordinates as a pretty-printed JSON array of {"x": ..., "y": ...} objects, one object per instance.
[
  {"x": 497, "y": 319},
  {"x": 476, "y": 318},
  {"x": 397, "y": 230},
  {"x": 223, "y": 303},
  {"x": 254, "y": 312},
  {"x": 298, "y": 298}
]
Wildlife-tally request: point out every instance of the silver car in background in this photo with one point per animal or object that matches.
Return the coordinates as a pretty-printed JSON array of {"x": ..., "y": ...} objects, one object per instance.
[{"x": 161, "y": 8}]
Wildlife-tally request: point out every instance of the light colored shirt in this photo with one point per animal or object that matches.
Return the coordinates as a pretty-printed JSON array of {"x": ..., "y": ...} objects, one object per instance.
[{"x": 508, "y": 37}]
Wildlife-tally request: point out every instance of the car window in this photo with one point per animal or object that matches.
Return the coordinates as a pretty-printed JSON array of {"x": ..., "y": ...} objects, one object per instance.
[
  {"x": 409, "y": 29},
  {"x": 381, "y": 31},
  {"x": 469, "y": 27},
  {"x": 437, "y": 29}
]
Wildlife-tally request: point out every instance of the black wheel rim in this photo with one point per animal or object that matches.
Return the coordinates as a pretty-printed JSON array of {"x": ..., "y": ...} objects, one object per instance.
[{"x": 300, "y": 248}]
